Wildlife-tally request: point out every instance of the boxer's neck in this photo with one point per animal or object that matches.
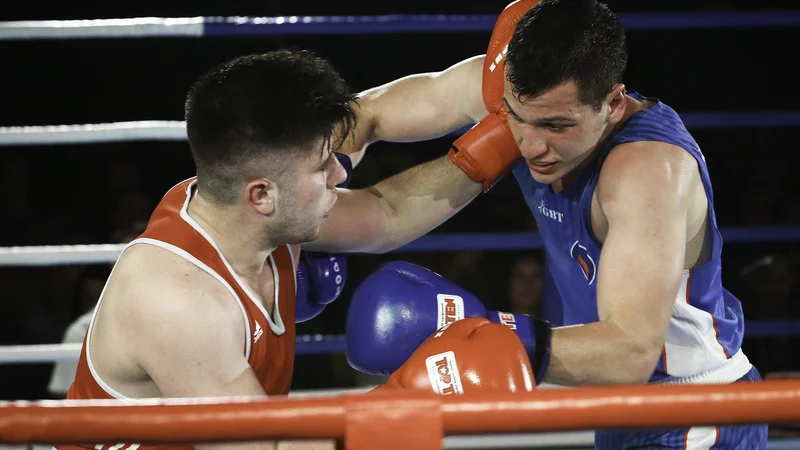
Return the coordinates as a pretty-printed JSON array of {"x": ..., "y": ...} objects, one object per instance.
[{"x": 240, "y": 238}]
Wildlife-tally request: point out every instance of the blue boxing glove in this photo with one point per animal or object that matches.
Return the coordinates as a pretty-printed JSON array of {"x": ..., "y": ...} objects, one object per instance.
[
  {"x": 320, "y": 276},
  {"x": 400, "y": 305},
  {"x": 320, "y": 280}
]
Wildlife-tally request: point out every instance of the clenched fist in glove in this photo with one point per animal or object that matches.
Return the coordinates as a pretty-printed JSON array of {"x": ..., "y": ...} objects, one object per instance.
[
  {"x": 471, "y": 355},
  {"x": 395, "y": 309}
]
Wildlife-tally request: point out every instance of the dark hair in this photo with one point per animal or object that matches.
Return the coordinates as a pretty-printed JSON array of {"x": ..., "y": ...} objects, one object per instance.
[
  {"x": 558, "y": 41},
  {"x": 255, "y": 112}
]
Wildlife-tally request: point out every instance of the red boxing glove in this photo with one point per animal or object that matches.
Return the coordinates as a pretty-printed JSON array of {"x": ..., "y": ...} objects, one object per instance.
[
  {"x": 495, "y": 62},
  {"x": 488, "y": 151},
  {"x": 469, "y": 355}
]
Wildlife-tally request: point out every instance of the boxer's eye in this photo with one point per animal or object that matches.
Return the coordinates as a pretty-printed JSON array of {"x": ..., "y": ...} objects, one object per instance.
[
  {"x": 556, "y": 128},
  {"x": 324, "y": 167}
]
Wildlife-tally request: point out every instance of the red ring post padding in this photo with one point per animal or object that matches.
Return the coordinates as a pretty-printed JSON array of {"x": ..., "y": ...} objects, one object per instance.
[{"x": 206, "y": 420}]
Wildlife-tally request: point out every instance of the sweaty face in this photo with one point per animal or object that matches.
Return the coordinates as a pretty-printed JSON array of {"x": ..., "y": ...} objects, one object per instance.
[
  {"x": 308, "y": 192},
  {"x": 555, "y": 131}
]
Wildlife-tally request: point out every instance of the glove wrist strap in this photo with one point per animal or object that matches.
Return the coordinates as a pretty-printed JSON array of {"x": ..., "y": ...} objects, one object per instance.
[{"x": 540, "y": 354}]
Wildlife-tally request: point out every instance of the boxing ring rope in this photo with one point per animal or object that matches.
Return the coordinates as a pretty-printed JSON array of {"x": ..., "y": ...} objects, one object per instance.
[
  {"x": 195, "y": 27},
  {"x": 51, "y": 255},
  {"x": 316, "y": 344},
  {"x": 322, "y": 344},
  {"x": 353, "y": 417},
  {"x": 173, "y": 130}
]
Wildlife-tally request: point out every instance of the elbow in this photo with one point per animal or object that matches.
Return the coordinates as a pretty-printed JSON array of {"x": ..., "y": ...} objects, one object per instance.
[
  {"x": 382, "y": 237},
  {"x": 638, "y": 361}
]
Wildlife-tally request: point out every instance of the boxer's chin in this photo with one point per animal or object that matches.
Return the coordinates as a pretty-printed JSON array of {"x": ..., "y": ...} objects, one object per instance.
[{"x": 545, "y": 174}]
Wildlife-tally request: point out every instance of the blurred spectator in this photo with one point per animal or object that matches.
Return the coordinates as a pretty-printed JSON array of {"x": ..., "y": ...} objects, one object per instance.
[
  {"x": 466, "y": 269},
  {"x": 768, "y": 289},
  {"x": 769, "y": 283},
  {"x": 525, "y": 286},
  {"x": 87, "y": 293}
]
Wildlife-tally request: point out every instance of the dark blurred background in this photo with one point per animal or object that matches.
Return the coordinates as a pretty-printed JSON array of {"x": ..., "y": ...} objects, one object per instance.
[{"x": 82, "y": 194}]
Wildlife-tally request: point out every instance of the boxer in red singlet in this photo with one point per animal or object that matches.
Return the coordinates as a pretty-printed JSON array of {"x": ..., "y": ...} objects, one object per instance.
[{"x": 202, "y": 304}]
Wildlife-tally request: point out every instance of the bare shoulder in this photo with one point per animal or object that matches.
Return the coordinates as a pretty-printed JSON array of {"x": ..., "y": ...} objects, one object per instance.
[
  {"x": 178, "y": 325},
  {"x": 155, "y": 288},
  {"x": 646, "y": 169}
]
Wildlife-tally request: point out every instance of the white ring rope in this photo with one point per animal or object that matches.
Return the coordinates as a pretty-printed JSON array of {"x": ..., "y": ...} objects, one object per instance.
[
  {"x": 154, "y": 130},
  {"x": 103, "y": 28},
  {"x": 45, "y": 353},
  {"x": 52, "y": 255}
]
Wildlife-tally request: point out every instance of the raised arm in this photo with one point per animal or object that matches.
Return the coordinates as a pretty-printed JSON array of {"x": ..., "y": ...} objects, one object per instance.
[
  {"x": 408, "y": 205},
  {"x": 419, "y": 107},
  {"x": 396, "y": 210}
]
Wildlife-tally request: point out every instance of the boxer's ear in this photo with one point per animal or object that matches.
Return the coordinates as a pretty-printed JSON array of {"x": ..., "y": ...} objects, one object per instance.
[
  {"x": 262, "y": 196},
  {"x": 616, "y": 101}
]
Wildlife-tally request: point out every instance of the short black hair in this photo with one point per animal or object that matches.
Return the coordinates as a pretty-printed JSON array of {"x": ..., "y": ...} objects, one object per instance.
[
  {"x": 558, "y": 41},
  {"x": 260, "y": 110}
]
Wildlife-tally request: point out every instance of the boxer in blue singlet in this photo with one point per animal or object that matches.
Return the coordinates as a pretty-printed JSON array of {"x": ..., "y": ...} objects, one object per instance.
[{"x": 624, "y": 205}]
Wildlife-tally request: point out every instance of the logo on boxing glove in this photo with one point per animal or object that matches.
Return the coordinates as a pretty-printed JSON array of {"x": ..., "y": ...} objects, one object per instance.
[
  {"x": 337, "y": 269},
  {"x": 507, "y": 319},
  {"x": 443, "y": 373},
  {"x": 498, "y": 59},
  {"x": 450, "y": 307}
]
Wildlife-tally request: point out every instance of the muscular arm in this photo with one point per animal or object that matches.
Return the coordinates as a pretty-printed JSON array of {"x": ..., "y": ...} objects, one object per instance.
[
  {"x": 644, "y": 192},
  {"x": 418, "y": 107},
  {"x": 396, "y": 210}
]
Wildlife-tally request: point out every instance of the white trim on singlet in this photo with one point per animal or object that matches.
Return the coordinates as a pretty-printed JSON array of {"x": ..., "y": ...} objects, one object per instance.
[
  {"x": 294, "y": 266},
  {"x": 200, "y": 265},
  {"x": 275, "y": 320}
]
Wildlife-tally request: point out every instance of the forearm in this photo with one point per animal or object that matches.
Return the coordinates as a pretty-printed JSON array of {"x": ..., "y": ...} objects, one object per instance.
[
  {"x": 421, "y": 198},
  {"x": 598, "y": 353}
]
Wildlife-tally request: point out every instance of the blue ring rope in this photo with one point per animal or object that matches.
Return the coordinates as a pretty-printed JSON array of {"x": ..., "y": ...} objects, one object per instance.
[
  {"x": 753, "y": 329},
  {"x": 529, "y": 240},
  {"x": 449, "y": 23},
  {"x": 723, "y": 119}
]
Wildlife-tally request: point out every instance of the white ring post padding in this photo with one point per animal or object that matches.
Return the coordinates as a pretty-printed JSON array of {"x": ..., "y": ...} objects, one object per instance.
[
  {"x": 154, "y": 130},
  {"x": 52, "y": 255},
  {"x": 103, "y": 28}
]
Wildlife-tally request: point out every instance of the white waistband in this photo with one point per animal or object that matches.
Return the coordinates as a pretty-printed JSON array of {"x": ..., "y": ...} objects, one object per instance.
[{"x": 734, "y": 368}]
